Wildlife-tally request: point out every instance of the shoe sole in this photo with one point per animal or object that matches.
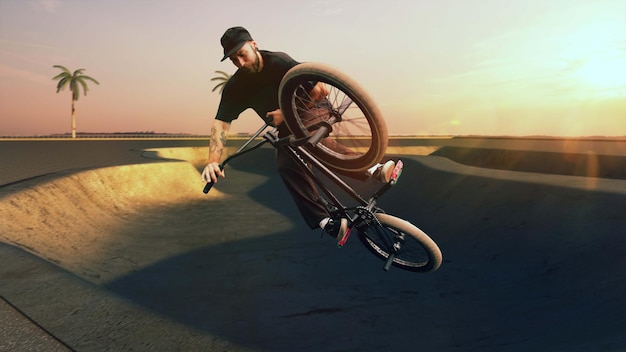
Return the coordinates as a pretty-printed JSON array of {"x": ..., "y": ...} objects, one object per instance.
[
  {"x": 395, "y": 174},
  {"x": 386, "y": 172}
]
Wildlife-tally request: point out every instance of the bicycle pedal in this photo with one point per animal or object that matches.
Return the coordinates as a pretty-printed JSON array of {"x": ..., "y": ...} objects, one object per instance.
[
  {"x": 397, "y": 171},
  {"x": 344, "y": 239}
]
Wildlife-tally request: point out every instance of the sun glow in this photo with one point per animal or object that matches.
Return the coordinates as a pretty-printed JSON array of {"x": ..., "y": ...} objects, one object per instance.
[
  {"x": 604, "y": 74},
  {"x": 597, "y": 56}
]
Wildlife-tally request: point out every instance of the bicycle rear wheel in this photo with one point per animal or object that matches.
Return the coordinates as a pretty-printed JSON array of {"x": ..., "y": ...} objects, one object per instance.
[
  {"x": 358, "y": 136},
  {"x": 417, "y": 252}
]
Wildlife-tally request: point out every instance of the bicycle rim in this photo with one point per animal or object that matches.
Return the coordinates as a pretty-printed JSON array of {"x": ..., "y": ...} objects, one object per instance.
[
  {"x": 418, "y": 252},
  {"x": 358, "y": 138}
]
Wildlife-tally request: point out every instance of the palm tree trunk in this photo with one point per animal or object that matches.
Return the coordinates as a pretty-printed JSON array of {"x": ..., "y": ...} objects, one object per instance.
[{"x": 73, "y": 120}]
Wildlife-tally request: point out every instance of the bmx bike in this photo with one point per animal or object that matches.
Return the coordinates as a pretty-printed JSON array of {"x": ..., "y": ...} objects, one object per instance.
[{"x": 344, "y": 131}]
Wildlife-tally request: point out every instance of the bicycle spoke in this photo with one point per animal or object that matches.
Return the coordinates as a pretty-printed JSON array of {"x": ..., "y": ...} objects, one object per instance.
[
  {"x": 357, "y": 137},
  {"x": 409, "y": 253}
]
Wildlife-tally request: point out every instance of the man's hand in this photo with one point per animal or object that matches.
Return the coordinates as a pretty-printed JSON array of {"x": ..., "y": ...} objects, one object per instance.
[
  {"x": 275, "y": 117},
  {"x": 211, "y": 172},
  {"x": 319, "y": 92}
]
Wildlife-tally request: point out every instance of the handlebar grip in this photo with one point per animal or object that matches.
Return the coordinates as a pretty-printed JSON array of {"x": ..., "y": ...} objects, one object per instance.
[
  {"x": 208, "y": 187},
  {"x": 210, "y": 184},
  {"x": 320, "y": 134}
]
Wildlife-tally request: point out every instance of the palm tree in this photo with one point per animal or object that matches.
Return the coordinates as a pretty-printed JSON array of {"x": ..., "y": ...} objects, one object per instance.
[
  {"x": 74, "y": 81},
  {"x": 224, "y": 77}
]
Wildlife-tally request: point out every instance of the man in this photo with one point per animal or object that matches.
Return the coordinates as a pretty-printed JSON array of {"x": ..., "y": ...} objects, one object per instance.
[{"x": 255, "y": 85}]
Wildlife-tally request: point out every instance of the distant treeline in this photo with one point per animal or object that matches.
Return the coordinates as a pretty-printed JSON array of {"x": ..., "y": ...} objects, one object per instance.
[
  {"x": 151, "y": 133},
  {"x": 142, "y": 134}
]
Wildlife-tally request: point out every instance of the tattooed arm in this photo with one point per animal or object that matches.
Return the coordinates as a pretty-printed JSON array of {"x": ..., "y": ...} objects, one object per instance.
[{"x": 217, "y": 141}]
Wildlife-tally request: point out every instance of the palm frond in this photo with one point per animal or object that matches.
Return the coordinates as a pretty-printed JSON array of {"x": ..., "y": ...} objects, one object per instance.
[
  {"x": 78, "y": 72},
  {"x": 62, "y": 68},
  {"x": 60, "y": 75},
  {"x": 224, "y": 78},
  {"x": 220, "y": 85},
  {"x": 91, "y": 79},
  {"x": 63, "y": 82},
  {"x": 84, "y": 85}
]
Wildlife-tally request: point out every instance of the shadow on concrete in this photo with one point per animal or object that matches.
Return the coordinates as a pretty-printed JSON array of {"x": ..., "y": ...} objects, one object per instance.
[{"x": 527, "y": 266}]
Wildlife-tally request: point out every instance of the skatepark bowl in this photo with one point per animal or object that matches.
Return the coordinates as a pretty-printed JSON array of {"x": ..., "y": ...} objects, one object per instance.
[{"x": 112, "y": 246}]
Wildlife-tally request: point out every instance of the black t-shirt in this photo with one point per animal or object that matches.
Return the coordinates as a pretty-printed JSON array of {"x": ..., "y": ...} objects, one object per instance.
[{"x": 258, "y": 91}]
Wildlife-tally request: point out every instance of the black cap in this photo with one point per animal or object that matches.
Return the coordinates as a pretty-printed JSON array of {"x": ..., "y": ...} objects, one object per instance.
[{"x": 233, "y": 39}]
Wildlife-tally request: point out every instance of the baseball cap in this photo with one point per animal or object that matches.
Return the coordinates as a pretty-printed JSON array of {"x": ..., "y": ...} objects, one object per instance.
[{"x": 233, "y": 39}]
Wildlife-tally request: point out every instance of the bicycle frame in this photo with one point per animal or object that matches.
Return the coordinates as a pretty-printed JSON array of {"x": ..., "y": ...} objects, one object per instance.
[{"x": 304, "y": 158}]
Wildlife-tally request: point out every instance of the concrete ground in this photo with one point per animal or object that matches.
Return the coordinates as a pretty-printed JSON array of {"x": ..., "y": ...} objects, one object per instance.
[{"x": 106, "y": 247}]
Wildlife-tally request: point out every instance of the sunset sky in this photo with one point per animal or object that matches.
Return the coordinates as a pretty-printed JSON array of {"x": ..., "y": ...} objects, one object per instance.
[{"x": 448, "y": 67}]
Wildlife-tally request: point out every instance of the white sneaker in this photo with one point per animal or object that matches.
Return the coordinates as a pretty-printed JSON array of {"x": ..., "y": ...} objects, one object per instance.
[
  {"x": 338, "y": 229},
  {"x": 382, "y": 172}
]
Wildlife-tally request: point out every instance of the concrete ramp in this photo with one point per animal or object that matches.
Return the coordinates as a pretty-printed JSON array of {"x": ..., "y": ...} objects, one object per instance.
[
  {"x": 137, "y": 258},
  {"x": 71, "y": 218},
  {"x": 588, "y": 164}
]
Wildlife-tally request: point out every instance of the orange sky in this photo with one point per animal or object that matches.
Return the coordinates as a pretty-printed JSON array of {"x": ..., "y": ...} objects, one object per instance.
[{"x": 527, "y": 67}]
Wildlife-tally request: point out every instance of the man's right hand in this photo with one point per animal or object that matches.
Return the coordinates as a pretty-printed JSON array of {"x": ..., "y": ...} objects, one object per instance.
[
  {"x": 274, "y": 118},
  {"x": 211, "y": 172}
]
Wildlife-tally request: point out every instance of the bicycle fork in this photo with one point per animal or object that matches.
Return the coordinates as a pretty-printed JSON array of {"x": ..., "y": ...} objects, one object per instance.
[{"x": 365, "y": 221}]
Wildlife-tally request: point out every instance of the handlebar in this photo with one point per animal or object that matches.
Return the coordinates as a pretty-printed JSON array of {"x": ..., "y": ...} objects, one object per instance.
[{"x": 321, "y": 133}]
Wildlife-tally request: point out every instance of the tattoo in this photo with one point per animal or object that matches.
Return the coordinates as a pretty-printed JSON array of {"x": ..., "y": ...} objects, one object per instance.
[{"x": 216, "y": 144}]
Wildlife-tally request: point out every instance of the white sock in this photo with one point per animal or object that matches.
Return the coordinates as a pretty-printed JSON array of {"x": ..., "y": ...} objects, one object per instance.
[
  {"x": 373, "y": 169},
  {"x": 324, "y": 222}
]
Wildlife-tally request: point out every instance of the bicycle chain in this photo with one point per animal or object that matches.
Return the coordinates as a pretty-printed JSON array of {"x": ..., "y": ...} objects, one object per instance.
[{"x": 367, "y": 214}]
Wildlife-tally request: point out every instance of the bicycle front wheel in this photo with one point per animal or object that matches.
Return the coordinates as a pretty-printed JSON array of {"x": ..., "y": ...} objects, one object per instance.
[
  {"x": 358, "y": 136},
  {"x": 413, "y": 249}
]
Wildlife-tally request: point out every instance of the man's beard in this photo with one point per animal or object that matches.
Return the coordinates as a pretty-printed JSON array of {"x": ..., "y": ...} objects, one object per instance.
[{"x": 255, "y": 67}]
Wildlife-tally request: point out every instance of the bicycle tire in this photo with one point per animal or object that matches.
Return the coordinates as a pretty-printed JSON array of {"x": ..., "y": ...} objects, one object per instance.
[
  {"x": 419, "y": 253},
  {"x": 355, "y": 142}
]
